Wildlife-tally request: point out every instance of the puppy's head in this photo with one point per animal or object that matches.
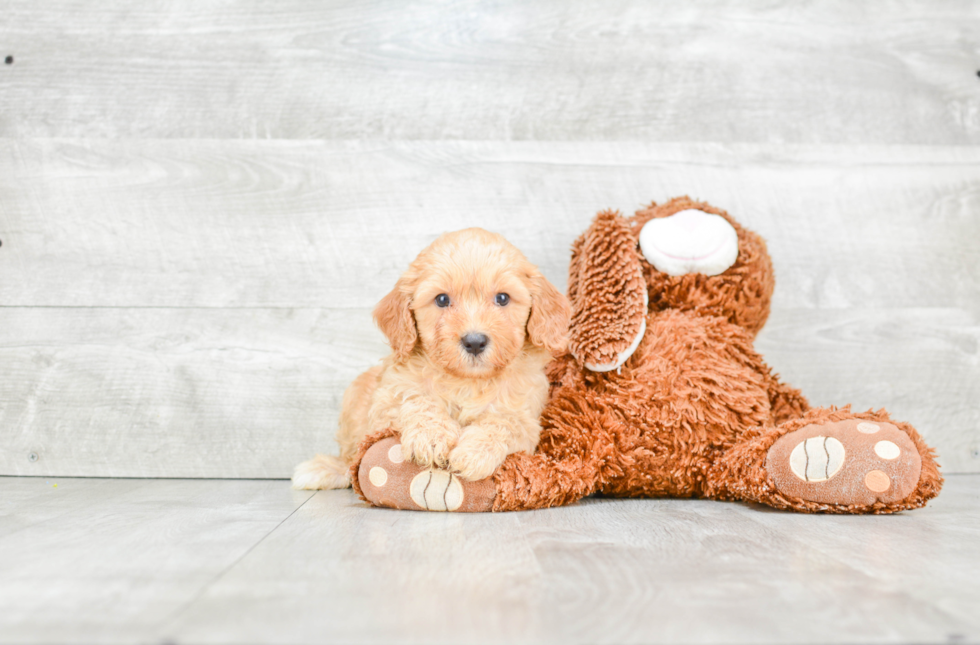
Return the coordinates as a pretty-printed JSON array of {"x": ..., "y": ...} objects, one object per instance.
[{"x": 471, "y": 301}]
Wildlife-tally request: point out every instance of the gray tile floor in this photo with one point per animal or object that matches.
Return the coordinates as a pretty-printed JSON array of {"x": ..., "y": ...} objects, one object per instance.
[{"x": 246, "y": 561}]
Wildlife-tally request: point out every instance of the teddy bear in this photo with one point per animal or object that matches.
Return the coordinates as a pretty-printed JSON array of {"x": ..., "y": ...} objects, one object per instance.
[{"x": 661, "y": 393}]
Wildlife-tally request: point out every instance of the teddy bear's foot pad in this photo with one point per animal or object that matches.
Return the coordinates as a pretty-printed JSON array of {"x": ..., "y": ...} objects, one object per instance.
[
  {"x": 850, "y": 462},
  {"x": 386, "y": 479}
]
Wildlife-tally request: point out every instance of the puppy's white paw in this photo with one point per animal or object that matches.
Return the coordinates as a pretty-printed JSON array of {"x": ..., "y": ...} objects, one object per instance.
[
  {"x": 321, "y": 472},
  {"x": 429, "y": 446},
  {"x": 476, "y": 457}
]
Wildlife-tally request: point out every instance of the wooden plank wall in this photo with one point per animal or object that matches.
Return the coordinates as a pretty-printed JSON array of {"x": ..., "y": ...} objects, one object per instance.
[{"x": 200, "y": 202}]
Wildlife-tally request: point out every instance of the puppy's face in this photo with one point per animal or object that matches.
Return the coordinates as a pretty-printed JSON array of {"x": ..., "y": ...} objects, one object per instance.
[
  {"x": 471, "y": 300},
  {"x": 471, "y": 305}
]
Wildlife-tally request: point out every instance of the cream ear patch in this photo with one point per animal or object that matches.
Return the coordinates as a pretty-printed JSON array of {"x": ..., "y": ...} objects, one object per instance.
[
  {"x": 868, "y": 428},
  {"x": 690, "y": 241},
  {"x": 817, "y": 459},
  {"x": 436, "y": 490}
]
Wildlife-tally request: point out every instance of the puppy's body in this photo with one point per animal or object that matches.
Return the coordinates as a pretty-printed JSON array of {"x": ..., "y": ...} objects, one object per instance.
[{"x": 471, "y": 324}]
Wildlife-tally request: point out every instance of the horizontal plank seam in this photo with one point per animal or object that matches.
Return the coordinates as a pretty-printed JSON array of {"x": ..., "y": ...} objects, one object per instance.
[
  {"x": 201, "y": 307},
  {"x": 63, "y": 477},
  {"x": 665, "y": 148}
]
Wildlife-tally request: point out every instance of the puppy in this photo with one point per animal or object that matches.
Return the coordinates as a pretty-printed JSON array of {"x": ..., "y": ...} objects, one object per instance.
[{"x": 471, "y": 325}]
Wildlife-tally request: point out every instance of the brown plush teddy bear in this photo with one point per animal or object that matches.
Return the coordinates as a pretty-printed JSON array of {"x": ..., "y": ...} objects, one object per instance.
[{"x": 662, "y": 394}]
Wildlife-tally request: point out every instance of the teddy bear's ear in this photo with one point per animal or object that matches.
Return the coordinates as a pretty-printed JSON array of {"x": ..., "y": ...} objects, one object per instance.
[
  {"x": 393, "y": 315},
  {"x": 608, "y": 294}
]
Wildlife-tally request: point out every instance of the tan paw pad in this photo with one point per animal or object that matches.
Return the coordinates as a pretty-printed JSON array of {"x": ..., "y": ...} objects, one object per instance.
[
  {"x": 395, "y": 454},
  {"x": 817, "y": 459},
  {"x": 436, "y": 490},
  {"x": 378, "y": 476},
  {"x": 877, "y": 481},
  {"x": 887, "y": 450}
]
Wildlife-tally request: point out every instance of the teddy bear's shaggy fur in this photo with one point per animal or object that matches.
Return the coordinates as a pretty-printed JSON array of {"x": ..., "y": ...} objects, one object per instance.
[{"x": 693, "y": 412}]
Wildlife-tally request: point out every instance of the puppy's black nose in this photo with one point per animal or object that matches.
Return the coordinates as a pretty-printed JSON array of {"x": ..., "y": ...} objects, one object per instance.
[{"x": 475, "y": 343}]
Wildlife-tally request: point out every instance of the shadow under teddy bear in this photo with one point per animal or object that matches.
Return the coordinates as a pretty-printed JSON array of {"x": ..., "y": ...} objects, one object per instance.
[{"x": 662, "y": 394}]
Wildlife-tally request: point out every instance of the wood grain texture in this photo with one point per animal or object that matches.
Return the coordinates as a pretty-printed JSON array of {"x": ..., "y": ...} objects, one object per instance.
[
  {"x": 923, "y": 365},
  {"x": 601, "y": 571},
  {"x": 906, "y": 553},
  {"x": 203, "y": 561},
  {"x": 833, "y": 72},
  {"x": 110, "y": 561},
  {"x": 674, "y": 571},
  {"x": 175, "y": 392},
  {"x": 289, "y": 224},
  {"x": 232, "y": 281},
  {"x": 188, "y": 265},
  {"x": 339, "y": 571},
  {"x": 252, "y": 392}
]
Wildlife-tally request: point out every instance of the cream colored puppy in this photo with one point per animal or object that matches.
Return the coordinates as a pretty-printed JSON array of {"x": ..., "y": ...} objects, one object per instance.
[{"x": 471, "y": 326}]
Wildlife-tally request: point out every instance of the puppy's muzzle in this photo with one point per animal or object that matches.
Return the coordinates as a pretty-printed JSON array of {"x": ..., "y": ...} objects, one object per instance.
[{"x": 475, "y": 343}]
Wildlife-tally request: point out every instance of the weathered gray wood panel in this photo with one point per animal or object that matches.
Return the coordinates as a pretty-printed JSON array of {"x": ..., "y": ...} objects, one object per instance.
[
  {"x": 923, "y": 365},
  {"x": 96, "y": 561},
  {"x": 830, "y": 72},
  {"x": 175, "y": 392},
  {"x": 232, "y": 279},
  {"x": 251, "y": 392},
  {"x": 285, "y": 247},
  {"x": 232, "y": 224}
]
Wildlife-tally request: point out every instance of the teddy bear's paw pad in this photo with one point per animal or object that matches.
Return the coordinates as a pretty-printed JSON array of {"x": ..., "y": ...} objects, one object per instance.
[
  {"x": 850, "y": 462},
  {"x": 387, "y": 479},
  {"x": 690, "y": 241}
]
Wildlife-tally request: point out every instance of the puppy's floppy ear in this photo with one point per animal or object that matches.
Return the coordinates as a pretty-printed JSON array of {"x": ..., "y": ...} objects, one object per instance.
[
  {"x": 547, "y": 326},
  {"x": 393, "y": 316}
]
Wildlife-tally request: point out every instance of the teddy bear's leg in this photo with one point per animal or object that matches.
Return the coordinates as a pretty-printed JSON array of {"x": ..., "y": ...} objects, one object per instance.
[
  {"x": 575, "y": 454},
  {"x": 786, "y": 402},
  {"x": 382, "y": 477},
  {"x": 523, "y": 481},
  {"x": 831, "y": 461}
]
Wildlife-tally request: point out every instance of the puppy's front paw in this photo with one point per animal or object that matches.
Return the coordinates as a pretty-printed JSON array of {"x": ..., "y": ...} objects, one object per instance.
[
  {"x": 476, "y": 457},
  {"x": 429, "y": 446}
]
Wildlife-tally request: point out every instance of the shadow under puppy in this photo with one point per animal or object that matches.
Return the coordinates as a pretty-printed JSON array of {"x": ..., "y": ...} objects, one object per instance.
[{"x": 471, "y": 324}]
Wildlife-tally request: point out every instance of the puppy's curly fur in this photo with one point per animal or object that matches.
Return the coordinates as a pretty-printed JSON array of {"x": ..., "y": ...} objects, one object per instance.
[{"x": 456, "y": 407}]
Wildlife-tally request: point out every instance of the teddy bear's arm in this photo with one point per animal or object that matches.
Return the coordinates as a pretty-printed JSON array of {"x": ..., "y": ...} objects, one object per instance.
[{"x": 575, "y": 457}]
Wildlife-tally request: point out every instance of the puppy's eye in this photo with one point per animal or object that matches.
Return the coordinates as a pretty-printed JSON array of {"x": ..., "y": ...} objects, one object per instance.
[
  {"x": 442, "y": 300},
  {"x": 502, "y": 299}
]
